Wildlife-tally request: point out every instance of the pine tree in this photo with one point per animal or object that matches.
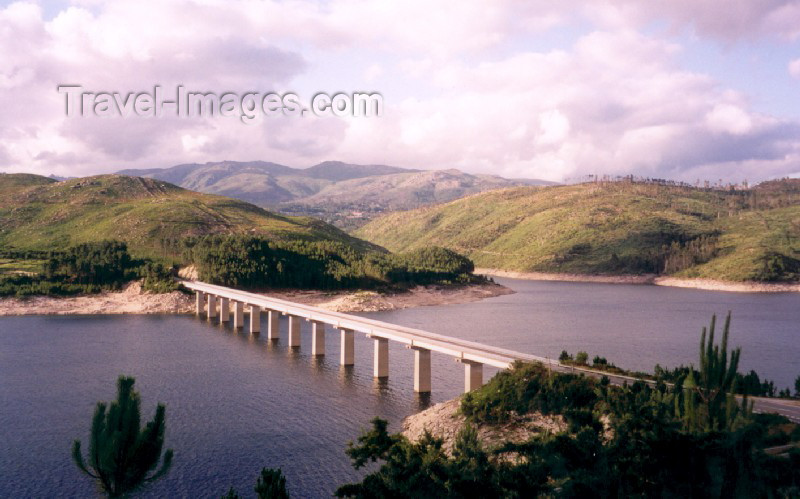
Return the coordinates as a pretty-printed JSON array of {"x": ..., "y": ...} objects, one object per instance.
[
  {"x": 271, "y": 485},
  {"x": 121, "y": 454},
  {"x": 709, "y": 400}
]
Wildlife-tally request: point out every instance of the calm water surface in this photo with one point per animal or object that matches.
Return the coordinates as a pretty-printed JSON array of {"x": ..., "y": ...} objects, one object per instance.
[
  {"x": 236, "y": 403},
  {"x": 634, "y": 326}
]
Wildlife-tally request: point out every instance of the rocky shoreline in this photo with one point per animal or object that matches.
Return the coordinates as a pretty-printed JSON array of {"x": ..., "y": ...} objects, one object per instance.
[
  {"x": 444, "y": 421},
  {"x": 651, "y": 279},
  {"x": 132, "y": 300}
]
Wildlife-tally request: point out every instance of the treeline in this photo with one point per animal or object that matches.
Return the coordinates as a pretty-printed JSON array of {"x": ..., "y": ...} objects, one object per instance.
[
  {"x": 252, "y": 262},
  {"x": 670, "y": 252},
  {"x": 676, "y": 253},
  {"x": 13, "y": 254},
  {"x": 679, "y": 256},
  {"x": 240, "y": 261},
  {"x": 725, "y": 199},
  {"x": 85, "y": 269},
  {"x": 744, "y": 384}
]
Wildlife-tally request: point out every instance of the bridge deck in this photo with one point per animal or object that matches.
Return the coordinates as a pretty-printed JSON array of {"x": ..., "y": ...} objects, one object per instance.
[{"x": 460, "y": 349}]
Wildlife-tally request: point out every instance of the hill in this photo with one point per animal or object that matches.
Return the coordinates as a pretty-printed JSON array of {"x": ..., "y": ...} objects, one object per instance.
[
  {"x": 341, "y": 193},
  {"x": 615, "y": 228},
  {"x": 38, "y": 213}
]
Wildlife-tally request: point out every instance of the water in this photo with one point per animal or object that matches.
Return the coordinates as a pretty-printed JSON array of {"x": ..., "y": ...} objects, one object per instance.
[
  {"x": 634, "y": 326},
  {"x": 236, "y": 403}
]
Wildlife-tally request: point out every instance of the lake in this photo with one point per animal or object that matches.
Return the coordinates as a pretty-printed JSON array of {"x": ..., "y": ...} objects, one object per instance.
[{"x": 236, "y": 403}]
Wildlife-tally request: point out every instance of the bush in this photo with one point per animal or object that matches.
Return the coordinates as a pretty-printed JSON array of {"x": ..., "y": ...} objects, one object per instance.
[{"x": 529, "y": 387}]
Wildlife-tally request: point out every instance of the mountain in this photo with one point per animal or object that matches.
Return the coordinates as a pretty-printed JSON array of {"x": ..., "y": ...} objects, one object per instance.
[
  {"x": 613, "y": 227},
  {"x": 337, "y": 171},
  {"x": 41, "y": 213},
  {"x": 401, "y": 190},
  {"x": 341, "y": 193},
  {"x": 259, "y": 182}
]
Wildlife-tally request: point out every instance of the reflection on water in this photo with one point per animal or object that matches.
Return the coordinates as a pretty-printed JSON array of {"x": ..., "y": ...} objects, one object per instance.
[{"x": 237, "y": 402}]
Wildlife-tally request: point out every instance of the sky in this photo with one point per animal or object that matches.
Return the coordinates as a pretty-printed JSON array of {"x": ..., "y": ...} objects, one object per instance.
[{"x": 679, "y": 89}]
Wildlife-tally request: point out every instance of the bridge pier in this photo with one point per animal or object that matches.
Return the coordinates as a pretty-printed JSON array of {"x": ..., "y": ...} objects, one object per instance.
[
  {"x": 472, "y": 355},
  {"x": 422, "y": 370},
  {"x": 212, "y": 307},
  {"x": 473, "y": 375},
  {"x": 273, "y": 324},
  {"x": 199, "y": 297},
  {"x": 317, "y": 338},
  {"x": 238, "y": 315},
  {"x": 224, "y": 310},
  {"x": 294, "y": 331},
  {"x": 380, "y": 363},
  {"x": 347, "y": 354},
  {"x": 255, "y": 319}
]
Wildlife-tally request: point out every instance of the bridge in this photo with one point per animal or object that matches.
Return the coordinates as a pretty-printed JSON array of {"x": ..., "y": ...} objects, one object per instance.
[{"x": 226, "y": 304}]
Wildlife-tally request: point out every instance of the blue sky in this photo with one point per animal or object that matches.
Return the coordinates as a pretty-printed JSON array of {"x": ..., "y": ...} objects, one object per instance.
[{"x": 681, "y": 89}]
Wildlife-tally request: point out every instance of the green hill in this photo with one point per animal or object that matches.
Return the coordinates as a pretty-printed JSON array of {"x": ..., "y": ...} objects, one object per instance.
[
  {"x": 614, "y": 227},
  {"x": 38, "y": 213}
]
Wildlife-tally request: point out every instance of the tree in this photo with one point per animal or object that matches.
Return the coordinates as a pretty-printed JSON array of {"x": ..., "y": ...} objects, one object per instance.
[
  {"x": 581, "y": 358},
  {"x": 271, "y": 485},
  {"x": 121, "y": 454},
  {"x": 231, "y": 494},
  {"x": 709, "y": 401}
]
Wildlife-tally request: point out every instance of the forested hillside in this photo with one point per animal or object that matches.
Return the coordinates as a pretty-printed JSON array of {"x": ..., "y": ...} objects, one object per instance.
[
  {"x": 616, "y": 228},
  {"x": 96, "y": 233}
]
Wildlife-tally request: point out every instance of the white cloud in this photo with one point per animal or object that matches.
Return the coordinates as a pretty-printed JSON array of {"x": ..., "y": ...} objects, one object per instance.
[
  {"x": 482, "y": 98},
  {"x": 554, "y": 127},
  {"x": 729, "y": 119},
  {"x": 794, "y": 68}
]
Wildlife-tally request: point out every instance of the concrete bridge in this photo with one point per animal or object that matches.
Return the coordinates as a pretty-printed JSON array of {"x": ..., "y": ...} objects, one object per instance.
[{"x": 226, "y": 304}]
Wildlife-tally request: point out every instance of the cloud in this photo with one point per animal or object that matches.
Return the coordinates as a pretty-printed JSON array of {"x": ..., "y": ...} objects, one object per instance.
[
  {"x": 727, "y": 118},
  {"x": 468, "y": 85},
  {"x": 794, "y": 68},
  {"x": 615, "y": 103},
  {"x": 724, "y": 20}
]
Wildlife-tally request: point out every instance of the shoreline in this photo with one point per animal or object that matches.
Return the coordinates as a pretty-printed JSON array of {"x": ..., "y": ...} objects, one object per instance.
[
  {"x": 131, "y": 300},
  {"x": 650, "y": 279}
]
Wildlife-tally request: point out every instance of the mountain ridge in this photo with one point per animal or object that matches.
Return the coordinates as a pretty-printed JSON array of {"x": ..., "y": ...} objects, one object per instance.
[{"x": 341, "y": 193}]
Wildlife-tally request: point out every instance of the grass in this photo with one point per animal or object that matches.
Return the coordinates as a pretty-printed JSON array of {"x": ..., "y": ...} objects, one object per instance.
[
  {"x": 11, "y": 266},
  {"x": 37, "y": 213},
  {"x": 604, "y": 228}
]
